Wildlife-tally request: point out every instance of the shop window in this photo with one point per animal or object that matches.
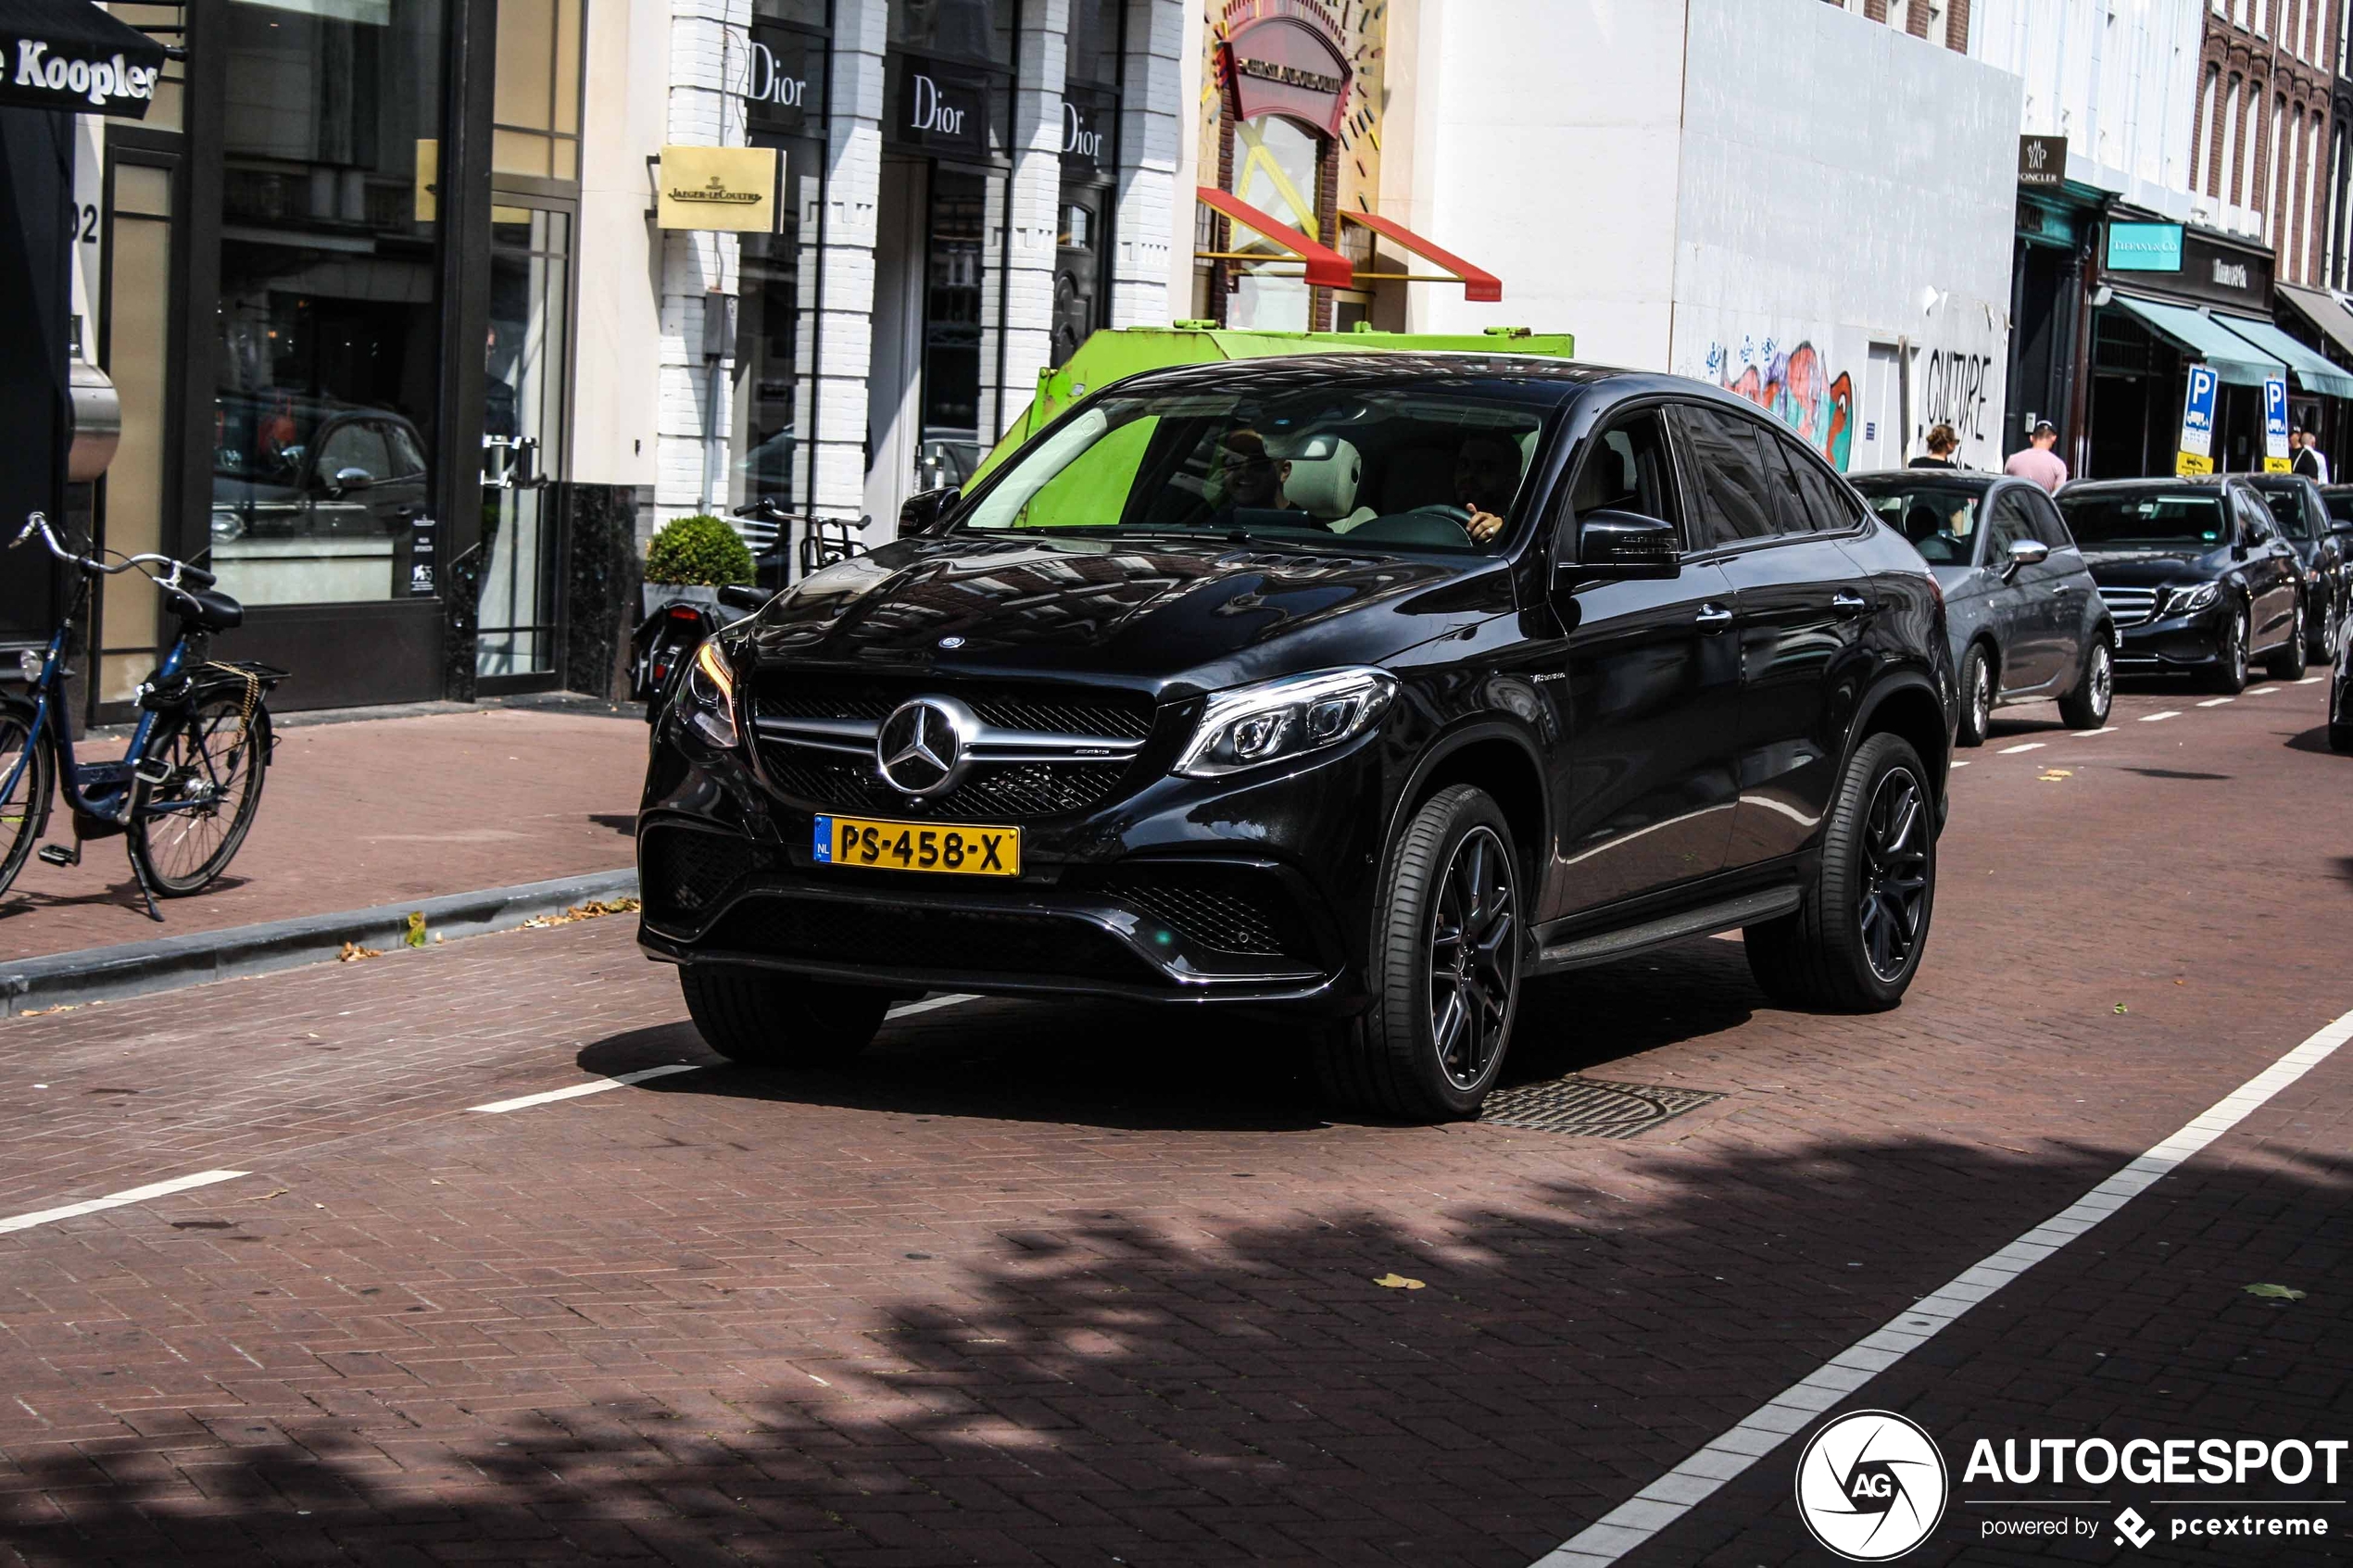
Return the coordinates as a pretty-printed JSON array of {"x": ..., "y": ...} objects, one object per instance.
[
  {"x": 1279, "y": 170},
  {"x": 536, "y": 103},
  {"x": 1089, "y": 169},
  {"x": 971, "y": 30},
  {"x": 328, "y": 318}
]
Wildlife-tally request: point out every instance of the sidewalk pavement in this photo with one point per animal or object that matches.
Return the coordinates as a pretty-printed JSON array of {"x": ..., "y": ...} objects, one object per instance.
[{"x": 367, "y": 812}]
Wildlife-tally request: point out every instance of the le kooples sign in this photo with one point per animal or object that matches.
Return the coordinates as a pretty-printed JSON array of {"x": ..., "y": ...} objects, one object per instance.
[
  {"x": 732, "y": 188},
  {"x": 69, "y": 56}
]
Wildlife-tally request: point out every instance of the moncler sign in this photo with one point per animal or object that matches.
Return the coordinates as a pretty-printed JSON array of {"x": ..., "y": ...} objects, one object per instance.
[{"x": 68, "y": 55}]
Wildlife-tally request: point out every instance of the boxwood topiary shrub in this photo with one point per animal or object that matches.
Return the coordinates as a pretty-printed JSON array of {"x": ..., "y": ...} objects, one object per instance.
[{"x": 699, "y": 551}]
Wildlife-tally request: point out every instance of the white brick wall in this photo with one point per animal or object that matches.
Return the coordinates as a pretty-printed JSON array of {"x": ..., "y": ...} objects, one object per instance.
[
  {"x": 1155, "y": 217},
  {"x": 845, "y": 331}
]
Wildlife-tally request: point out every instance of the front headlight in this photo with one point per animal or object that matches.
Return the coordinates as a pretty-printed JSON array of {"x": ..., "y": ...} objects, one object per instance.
[
  {"x": 711, "y": 695},
  {"x": 1275, "y": 719},
  {"x": 2187, "y": 598}
]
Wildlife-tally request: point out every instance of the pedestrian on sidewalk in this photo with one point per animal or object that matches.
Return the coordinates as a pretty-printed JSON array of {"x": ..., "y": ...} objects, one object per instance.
[
  {"x": 2038, "y": 462},
  {"x": 2308, "y": 459},
  {"x": 1941, "y": 444}
]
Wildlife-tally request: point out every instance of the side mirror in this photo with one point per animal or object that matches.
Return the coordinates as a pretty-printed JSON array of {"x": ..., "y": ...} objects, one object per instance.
[
  {"x": 922, "y": 512},
  {"x": 736, "y": 596},
  {"x": 351, "y": 479},
  {"x": 1614, "y": 546},
  {"x": 2025, "y": 552}
]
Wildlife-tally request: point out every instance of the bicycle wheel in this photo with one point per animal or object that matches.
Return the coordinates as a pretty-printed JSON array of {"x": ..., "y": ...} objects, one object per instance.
[
  {"x": 24, "y": 790},
  {"x": 185, "y": 830}
]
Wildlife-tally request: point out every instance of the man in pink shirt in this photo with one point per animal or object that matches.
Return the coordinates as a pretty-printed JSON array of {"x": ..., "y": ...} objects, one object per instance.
[{"x": 2038, "y": 462}]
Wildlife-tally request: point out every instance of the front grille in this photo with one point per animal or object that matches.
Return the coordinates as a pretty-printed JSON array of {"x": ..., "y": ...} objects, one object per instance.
[
  {"x": 1043, "y": 708},
  {"x": 2130, "y": 607},
  {"x": 946, "y": 941},
  {"x": 994, "y": 791},
  {"x": 1226, "y": 909},
  {"x": 682, "y": 871}
]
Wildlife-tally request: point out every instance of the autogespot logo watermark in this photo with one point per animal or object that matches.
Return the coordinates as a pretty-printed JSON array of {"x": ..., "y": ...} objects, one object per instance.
[{"x": 1871, "y": 1485}]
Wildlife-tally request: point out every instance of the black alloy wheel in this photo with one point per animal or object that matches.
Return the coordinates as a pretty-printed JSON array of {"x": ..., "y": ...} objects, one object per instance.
[
  {"x": 1474, "y": 959},
  {"x": 1855, "y": 941},
  {"x": 1443, "y": 978},
  {"x": 1894, "y": 879}
]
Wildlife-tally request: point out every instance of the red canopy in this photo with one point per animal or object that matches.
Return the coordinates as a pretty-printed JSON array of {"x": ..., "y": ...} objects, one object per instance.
[
  {"x": 1478, "y": 285},
  {"x": 1325, "y": 268}
]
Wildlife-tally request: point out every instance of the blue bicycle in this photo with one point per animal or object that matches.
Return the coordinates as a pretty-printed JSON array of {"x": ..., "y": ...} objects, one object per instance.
[{"x": 184, "y": 794}]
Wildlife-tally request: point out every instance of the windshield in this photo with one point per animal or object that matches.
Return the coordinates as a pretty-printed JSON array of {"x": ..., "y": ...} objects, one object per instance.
[
  {"x": 2288, "y": 507},
  {"x": 2340, "y": 505},
  {"x": 1940, "y": 520},
  {"x": 2166, "y": 520},
  {"x": 1437, "y": 469}
]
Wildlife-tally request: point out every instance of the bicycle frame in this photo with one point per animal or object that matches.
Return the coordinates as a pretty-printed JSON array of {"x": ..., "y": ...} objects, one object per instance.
[{"x": 99, "y": 790}]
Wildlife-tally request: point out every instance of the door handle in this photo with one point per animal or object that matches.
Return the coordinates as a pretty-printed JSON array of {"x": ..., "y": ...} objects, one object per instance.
[
  {"x": 1849, "y": 604},
  {"x": 1712, "y": 618}
]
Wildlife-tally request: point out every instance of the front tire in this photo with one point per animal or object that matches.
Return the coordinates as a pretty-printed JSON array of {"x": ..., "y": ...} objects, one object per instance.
[
  {"x": 1446, "y": 972},
  {"x": 1856, "y": 941},
  {"x": 2287, "y": 661},
  {"x": 764, "y": 1019},
  {"x": 25, "y": 784},
  {"x": 1977, "y": 697},
  {"x": 2086, "y": 707},
  {"x": 2229, "y": 676}
]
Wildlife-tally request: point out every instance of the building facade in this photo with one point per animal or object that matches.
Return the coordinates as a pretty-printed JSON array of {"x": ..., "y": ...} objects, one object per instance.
[{"x": 409, "y": 357}]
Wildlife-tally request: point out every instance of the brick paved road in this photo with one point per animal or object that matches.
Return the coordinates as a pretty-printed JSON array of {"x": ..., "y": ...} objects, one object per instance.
[{"x": 1068, "y": 1285}]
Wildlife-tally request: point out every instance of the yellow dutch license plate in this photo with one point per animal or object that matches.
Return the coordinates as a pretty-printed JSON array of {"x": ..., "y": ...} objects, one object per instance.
[{"x": 955, "y": 848}]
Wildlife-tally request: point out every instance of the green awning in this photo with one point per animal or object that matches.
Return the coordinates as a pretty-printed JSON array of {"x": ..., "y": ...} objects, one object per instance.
[
  {"x": 2234, "y": 359},
  {"x": 2313, "y": 372}
]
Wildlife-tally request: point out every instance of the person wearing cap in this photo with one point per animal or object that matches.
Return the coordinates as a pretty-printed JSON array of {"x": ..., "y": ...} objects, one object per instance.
[
  {"x": 1941, "y": 444},
  {"x": 2038, "y": 462}
]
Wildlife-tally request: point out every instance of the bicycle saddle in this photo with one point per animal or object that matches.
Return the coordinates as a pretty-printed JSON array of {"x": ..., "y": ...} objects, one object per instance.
[{"x": 205, "y": 607}]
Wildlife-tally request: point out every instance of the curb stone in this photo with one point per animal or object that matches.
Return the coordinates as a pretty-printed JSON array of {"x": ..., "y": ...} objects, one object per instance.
[{"x": 134, "y": 969}]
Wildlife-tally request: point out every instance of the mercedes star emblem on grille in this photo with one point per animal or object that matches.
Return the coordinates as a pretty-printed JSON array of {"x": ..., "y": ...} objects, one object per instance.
[{"x": 920, "y": 748}]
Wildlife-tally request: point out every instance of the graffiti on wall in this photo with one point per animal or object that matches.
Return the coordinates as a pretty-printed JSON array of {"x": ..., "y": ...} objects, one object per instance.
[
  {"x": 1796, "y": 386},
  {"x": 1958, "y": 391}
]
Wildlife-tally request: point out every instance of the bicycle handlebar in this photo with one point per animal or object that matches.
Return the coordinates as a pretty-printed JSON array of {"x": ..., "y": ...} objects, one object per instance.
[{"x": 179, "y": 571}]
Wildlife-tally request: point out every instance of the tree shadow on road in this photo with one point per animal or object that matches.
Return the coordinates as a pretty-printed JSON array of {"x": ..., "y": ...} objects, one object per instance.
[{"x": 1248, "y": 1379}]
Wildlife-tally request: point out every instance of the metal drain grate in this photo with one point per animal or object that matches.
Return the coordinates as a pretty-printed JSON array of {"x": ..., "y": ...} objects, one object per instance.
[{"x": 1591, "y": 1108}]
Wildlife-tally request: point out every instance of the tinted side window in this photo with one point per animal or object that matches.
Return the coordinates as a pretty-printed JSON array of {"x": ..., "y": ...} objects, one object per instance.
[
  {"x": 2010, "y": 524},
  {"x": 1797, "y": 513},
  {"x": 1627, "y": 469},
  {"x": 1832, "y": 506},
  {"x": 2049, "y": 527},
  {"x": 1731, "y": 499}
]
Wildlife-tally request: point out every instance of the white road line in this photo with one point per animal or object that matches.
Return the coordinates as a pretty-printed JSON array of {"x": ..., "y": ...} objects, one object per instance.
[
  {"x": 118, "y": 1200},
  {"x": 2217, "y": 701},
  {"x": 1691, "y": 1483},
  {"x": 2262, "y": 690},
  {"x": 2310, "y": 680},
  {"x": 594, "y": 1086},
  {"x": 623, "y": 1080},
  {"x": 1960, "y": 764},
  {"x": 2014, "y": 750},
  {"x": 2153, "y": 717},
  {"x": 2087, "y": 735}
]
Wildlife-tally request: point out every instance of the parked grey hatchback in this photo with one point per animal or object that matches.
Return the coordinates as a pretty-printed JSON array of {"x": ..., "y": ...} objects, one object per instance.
[{"x": 2026, "y": 621}]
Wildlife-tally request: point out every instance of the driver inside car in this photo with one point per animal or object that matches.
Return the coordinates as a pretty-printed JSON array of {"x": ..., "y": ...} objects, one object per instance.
[
  {"x": 1486, "y": 478},
  {"x": 1244, "y": 473}
]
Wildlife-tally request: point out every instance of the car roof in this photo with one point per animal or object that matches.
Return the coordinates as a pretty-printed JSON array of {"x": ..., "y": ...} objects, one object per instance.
[
  {"x": 1549, "y": 379},
  {"x": 1974, "y": 479},
  {"x": 2128, "y": 486}
]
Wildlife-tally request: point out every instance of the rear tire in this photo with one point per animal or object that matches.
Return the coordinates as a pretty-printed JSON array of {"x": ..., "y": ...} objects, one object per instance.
[
  {"x": 1856, "y": 941},
  {"x": 2229, "y": 676},
  {"x": 185, "y": 831},
  {"x": 764, "y": 1019},
  {"x": 24, "y": 805},
  {"x": 1977, "y": 697},
  {"x": 2086, "y": 707},
  {"x": 1445, "y": 971},
  {"x": 2287, "y": 661}
]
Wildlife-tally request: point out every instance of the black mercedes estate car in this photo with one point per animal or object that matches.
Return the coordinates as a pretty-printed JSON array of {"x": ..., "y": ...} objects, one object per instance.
[{"x": 1364, "y": 688}]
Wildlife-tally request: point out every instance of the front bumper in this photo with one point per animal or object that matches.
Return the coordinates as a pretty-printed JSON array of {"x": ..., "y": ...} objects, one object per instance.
[
  {"x": 2177, "y": 642},
  {"x": 1171, "y": 890}
]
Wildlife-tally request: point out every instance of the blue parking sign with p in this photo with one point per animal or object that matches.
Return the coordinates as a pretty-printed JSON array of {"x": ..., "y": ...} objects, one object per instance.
[
  {"x": 2275, "y": 449},
  {"x": 2196, "y": 454}
]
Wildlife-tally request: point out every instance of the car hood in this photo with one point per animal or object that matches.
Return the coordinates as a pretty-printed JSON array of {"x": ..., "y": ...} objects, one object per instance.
[
  {"x": 1175, "y": 615},
  {"x": 2142, "y": 567}
]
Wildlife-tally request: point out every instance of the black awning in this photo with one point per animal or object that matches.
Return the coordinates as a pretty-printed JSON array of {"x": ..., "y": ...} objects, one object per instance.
[{"x": 69, "y": 55}]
